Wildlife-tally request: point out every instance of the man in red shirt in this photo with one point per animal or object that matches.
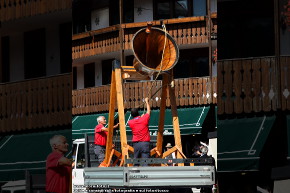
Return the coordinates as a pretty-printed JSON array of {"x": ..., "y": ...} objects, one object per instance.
[
  {"x": 58, "y": 167},
  {"x": 101, "y": 138},
  {"x": 140, "y": 129}
]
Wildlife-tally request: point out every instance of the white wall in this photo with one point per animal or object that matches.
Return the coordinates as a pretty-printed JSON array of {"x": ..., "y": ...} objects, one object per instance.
[
  {"x": 102, "y": 17},
  {"x": 80, "y": 77},
  {"x": 52, "y": 50},
  {"x": 16, "y": 57},
  {"x": 147, "y": 10},
  {"x": 213, "y": 149},
  {"x": 98, "y": 73}
]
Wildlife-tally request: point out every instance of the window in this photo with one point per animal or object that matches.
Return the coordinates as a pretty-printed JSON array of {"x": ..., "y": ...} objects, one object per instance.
[
  {"x": 65, "y": 47},
  {"x": 34, "y": 54},
  {"x": 5, "y": 76},
  {"x": 81, "y": 16},
  {"x": 192, "y": 63},
  {"x": 89, "y": 75},
  {"x": 106, "y": 71},
  {"x": 166, "y": 9},
  {"x": 75, "y": 78},
  {"x": 199, "y": 7},
  {"x": 128, "y": 12},
  {"x": 80, "y": 163}
]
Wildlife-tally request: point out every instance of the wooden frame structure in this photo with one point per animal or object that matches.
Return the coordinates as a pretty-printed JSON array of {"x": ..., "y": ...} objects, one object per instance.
[{"x": 116, "y": 96}]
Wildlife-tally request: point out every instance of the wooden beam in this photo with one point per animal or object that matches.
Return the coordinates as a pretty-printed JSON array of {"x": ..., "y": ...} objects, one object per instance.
[
  {"x": 120, "y": 101},
  {"x": 130, "y": 73},
  {"x": 175, "y": 120},
  {"x": 111, "y": 118},
  {"x": 165, "y": 81},
  {"x": 168, "y": 152}
]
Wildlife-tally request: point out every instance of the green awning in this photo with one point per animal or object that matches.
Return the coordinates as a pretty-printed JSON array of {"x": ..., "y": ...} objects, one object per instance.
[
  {"x": 26, "y": 152},
  {"x": 240, "y": 142},
  {"x": 190, "y": 122},
  {"x": 288, "y": 135}
]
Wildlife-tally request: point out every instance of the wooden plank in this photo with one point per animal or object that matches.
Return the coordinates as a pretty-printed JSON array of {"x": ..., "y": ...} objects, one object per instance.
[
  {"x": 120, "y": 99},
  {"x": 228, "y": 87},
  {"x": 180, "y": 95},
  {"x": 273, "y": 95},
  {"x": 256, "y": 85},
  {"x": 274, "y": 85},
  {"x": 168, "y": 152},
  {"x": 194, "y": 33},
  {"x": 165, "y": 81},
  {"x": 284, "y": 87},
  {"x": 175, "y": 122},
  {"x": 185, "y": 90},
  {"x": 214, "y": 85},
  {"x": 198, "y": 33},
  {"x": 204, "y": 90},
  {"x": 203, "y": 33},
  {"x": 287, "y": 64},
  {"x": 190, "y": 91},
  {"x": 200, "y": 91},
  {"x": 111, "y": 118},
  {"x": 195, "y": 91},
  {"x": 247, "y": 81},
  {"x": 237, "y": 86},
  {"x": 265, "y": 66}
]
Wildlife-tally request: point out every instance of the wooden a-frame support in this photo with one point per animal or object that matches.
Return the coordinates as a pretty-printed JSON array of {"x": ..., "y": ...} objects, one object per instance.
[{"x": 116, "y": 96}]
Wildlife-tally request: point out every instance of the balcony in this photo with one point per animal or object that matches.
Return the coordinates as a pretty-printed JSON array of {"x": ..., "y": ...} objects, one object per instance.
[
  {"x": 253, "y": 85},
  {"x": 185, "y": 31},
  {"x": 188, "y": 91},
  {"x": 44, "y": 102},
  {"x": 11, "y": 9}
]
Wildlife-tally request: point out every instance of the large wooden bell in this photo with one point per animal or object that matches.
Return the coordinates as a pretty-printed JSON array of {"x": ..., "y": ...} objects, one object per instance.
[{"x": 148, "y": 46}]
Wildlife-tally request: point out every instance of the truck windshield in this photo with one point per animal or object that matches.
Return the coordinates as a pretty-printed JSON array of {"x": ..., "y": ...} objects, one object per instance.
[{"x": 81, "y": 156}]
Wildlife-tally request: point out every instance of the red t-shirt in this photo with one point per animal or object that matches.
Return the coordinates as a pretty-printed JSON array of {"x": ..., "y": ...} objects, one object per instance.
[
  {"x": 57, "y": 176},
  {"x": 139, "y": 126},
  {"x": 100, "y": 136}
]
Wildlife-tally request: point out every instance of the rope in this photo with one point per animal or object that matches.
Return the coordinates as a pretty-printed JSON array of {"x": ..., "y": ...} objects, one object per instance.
[{"x": 160, "y": 70}]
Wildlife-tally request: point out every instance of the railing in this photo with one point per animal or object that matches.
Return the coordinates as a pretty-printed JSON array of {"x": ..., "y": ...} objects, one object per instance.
[
  {"x": 37, "y": 103},
  {"x": 192, "y": 30},
  {"x": 189, "y": 92},
  {"x": 15, "y": 9},
  {"x": 251, "y": 85}
]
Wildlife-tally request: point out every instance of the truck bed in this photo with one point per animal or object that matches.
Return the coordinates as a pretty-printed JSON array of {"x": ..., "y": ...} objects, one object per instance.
[{"x": 171, "y": 176}]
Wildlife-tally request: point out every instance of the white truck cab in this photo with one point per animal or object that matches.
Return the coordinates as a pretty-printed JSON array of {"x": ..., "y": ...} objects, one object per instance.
[{"x": 79, "y": 160}]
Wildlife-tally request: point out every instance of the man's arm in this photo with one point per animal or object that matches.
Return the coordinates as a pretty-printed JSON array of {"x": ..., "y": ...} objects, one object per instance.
[
  {"x": 147, "y": 105},
  {"x": 64, "y": 162},
  {"x": 106, "y": 129}
]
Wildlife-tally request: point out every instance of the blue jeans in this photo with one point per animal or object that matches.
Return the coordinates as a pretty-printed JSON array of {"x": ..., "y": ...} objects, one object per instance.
[{"x": 142, "y": 150}]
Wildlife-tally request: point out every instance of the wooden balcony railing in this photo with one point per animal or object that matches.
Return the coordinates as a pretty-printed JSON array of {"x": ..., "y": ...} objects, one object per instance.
[
  {"x": 189, "y": 91},
  {"x": 192, "y": 30},
  {"x": 37, "y": 103},
  {"x": 16, "y": 9},
  {"x": 251, "y": 85}
]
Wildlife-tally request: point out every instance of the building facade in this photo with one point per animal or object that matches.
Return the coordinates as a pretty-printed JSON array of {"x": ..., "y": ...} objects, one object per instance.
[
  {"x": 253, "y": 111},
  {"x": 96, "y": 43},
  {"x": 35, "y": 83}
]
